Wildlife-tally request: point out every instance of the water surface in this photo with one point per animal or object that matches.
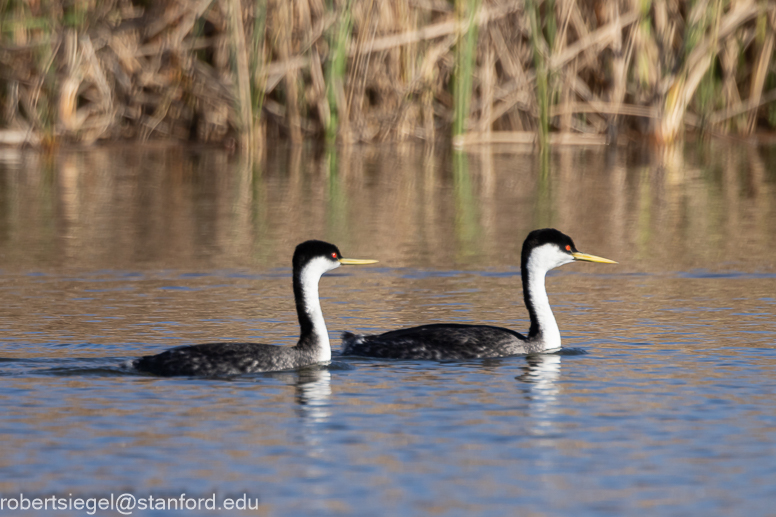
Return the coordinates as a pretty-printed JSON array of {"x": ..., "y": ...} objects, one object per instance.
[{"x": 662, "y": 403}]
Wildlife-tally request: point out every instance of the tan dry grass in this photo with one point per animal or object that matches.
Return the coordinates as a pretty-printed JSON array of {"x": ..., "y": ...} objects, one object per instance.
[{"x": 237, "y": 72}]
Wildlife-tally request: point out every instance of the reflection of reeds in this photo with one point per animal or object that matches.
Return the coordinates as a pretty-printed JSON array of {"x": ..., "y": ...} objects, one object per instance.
[
  {"x": 241, "y": 71},
  {"x": 468, "y": 230}
]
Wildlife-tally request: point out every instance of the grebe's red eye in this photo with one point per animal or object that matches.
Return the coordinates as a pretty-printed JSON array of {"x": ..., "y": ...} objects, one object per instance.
[
  {"x": 334, "y": 255},
  {"x": 568, "y": 247}
]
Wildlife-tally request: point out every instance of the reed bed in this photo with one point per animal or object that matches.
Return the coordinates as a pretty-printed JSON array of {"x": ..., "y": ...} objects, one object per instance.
[{"x": 242, "y": 72}]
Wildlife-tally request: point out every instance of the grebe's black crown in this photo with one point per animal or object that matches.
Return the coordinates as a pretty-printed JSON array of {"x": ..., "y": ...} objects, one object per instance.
[
  {"x": 546, "y": 236},
  {"x": 309, "y": 250}
]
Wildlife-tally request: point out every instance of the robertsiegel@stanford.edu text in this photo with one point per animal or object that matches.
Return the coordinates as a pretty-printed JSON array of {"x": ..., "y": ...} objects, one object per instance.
[{"x": 126, "y": 503}]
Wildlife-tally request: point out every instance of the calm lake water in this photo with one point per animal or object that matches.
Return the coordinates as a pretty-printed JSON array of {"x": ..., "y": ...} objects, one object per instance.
[{"x": 662, "y": 403}]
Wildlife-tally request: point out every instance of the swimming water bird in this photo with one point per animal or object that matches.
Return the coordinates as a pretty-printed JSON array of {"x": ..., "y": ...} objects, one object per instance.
[
  {"x": 311, "y": 260},
  {"x": 542, "y": 250}
]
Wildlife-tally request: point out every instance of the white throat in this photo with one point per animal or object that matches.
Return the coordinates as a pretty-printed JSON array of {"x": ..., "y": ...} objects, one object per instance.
[
  {"x": 309, "y": 278},
  {"x": 541, "y": 260}
]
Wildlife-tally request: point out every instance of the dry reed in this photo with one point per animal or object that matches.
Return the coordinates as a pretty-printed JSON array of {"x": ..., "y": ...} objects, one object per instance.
[{"x": 239, "y": 72}]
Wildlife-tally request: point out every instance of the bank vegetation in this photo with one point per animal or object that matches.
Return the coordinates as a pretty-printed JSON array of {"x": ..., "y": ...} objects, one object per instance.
[{"x": 244, "y": 72}]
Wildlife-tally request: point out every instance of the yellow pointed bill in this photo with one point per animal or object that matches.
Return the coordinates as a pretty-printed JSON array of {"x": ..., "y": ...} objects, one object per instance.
[
  {"x": 356, "y": 262},
  {"x": 591, "y": 258}
]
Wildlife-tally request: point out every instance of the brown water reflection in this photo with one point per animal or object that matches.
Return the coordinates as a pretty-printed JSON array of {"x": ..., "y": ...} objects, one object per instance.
[
  {"x": 706, "y": 206},
  {"x": 165, "y": 212}
]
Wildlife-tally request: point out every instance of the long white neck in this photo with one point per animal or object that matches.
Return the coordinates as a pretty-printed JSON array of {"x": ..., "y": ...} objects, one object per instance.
[
  {"x": 309, "y": 306},
  {"x": 549, "y": 333},
  {"x": 544, "y": 328}
]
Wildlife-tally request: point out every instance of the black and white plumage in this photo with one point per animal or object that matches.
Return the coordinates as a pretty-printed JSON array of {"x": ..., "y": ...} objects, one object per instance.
[
  {"x": 543, "y": 250},
  {"x": 311, "y": 260}
]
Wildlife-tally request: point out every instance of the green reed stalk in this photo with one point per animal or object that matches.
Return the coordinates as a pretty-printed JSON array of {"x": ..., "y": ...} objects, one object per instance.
[
  {"x": 336, "y": 68},
  {"x": 258, "y": 75},
  {"x": 242, "y": 74},
  {"x": 542, "y": 73},
  {"x": 709, "y": 88},
  {"x": 74, "y": 15},
  {"x": 17, "y": 24},
  {"x": 47, "y": 89},
  {"x": 465, "y": 52}
]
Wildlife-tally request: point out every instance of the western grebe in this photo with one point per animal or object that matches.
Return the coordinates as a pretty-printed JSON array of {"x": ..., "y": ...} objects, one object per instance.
[
  {"x": 311, "y": 260},
  {"x": 542, "y": 250}
]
